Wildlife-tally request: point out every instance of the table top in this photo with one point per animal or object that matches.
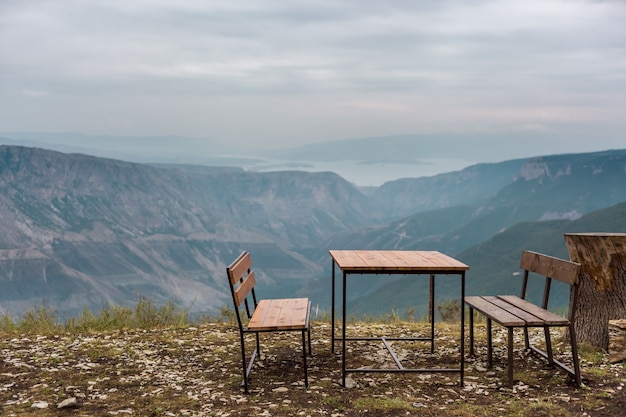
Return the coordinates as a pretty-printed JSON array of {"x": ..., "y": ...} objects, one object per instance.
[{"x": 395, "y": 260}]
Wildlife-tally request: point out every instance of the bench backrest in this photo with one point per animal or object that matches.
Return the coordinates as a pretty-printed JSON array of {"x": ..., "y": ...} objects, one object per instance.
[
  {"x": 241, "y": 280},
  {"x": 548, "y": 266},
  {"x": 551, "y": 268}
]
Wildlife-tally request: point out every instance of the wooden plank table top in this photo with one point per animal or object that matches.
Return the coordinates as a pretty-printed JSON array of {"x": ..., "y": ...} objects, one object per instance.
[{"x": 395, "y": 260}]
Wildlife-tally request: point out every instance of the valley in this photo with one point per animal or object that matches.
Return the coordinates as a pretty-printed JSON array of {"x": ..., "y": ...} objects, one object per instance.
[{"x": 80, "y": 231}]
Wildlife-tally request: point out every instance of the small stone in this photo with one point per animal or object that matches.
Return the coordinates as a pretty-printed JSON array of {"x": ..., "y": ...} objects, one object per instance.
[
  {"x": 67, "y": 403},
  {"x": 350, "y": 383},
  {"x": 39, "y": 404},
  {"x": 280, "y": 389}
]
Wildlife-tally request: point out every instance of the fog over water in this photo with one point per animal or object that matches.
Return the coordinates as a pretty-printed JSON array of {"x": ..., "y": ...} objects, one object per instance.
[{"x": 366, "y": 173}]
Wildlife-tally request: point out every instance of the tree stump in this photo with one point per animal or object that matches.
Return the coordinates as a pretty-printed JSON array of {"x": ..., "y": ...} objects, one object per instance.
[{"x": 602, "y": 290}]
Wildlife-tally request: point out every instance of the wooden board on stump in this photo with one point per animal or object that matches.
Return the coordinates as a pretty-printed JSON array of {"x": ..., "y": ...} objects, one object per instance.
[{"x": 602, "y": 291}]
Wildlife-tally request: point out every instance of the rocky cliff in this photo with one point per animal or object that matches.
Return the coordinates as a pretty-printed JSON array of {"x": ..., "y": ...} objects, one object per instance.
[{"x": 81, "y": 231}]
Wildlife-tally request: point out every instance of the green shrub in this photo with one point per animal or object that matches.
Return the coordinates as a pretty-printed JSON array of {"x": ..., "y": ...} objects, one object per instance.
[
  {"x": 38, "y": 320},
  {"x": 148, "y": 315},
  {"x": 110, "y": 318},
  {"x": 450, "y": 311},
  {"x": 7, "y": 323}
]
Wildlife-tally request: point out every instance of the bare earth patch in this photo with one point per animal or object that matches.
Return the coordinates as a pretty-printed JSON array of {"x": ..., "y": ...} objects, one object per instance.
[{"x": 196, "y": 372}]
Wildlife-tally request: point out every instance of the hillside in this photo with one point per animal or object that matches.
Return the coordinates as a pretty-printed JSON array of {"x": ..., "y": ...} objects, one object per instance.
[
  {"x": 544, "y": 188},
  {"x": 494, "y": 262},
  {"x": 82, "y": 231},
  {"x": 547, "y": 237},
  {"x": 473, "y": 184}
]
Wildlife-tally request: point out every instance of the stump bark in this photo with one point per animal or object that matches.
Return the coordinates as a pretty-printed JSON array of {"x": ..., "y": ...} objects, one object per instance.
[
  {"x": 617, "y": 340},
  {"x": 602, "y": 290}
]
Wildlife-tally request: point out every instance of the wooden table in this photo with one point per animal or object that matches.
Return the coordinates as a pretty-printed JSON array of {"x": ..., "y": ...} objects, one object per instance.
[{"x": 381, "y": 262}]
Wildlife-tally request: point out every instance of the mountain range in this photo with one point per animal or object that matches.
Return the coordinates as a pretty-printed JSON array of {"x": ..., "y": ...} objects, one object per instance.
[
  {"x": 467, "y": 146},
  {"x": 82, "y": 231}
]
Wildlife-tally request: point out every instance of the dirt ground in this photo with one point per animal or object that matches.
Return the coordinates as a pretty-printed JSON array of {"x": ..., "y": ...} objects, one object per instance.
[{"x": 196, "y": 371}]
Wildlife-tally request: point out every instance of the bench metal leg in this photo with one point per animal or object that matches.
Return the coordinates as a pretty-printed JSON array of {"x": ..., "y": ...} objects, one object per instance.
[
  {"x": 247, "y": 367},
  {"x": 560, "y": 364},
  {"x": 572, "y": 337},
  {"x": 546, "y": 331},
  {"x": 489, "y": 345},
  {"x": 471, "y": 326},
  {"x": 510, "y": 356},
  {"x": 526, "y": 338},
  {"x": 244, "y": 364}
]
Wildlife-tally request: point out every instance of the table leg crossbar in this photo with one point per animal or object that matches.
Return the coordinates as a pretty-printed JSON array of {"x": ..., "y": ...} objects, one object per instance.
[
  {"x": 392, "y": 353},
  {"x": 399, "y": 366}
]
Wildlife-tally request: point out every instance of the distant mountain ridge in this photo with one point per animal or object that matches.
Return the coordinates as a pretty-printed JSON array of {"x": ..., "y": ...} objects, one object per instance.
[
  {"x": 475, "y": 183},
  {"x": 469, "y": 146},
  {"x": 481, "y": 146},
  {"x": 545, "y": 188},
  {"x": 78, "y": 230},
  {"x": 171, "y": 149}
]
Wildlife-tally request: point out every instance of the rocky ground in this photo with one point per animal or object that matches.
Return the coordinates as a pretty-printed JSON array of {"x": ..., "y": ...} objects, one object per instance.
[{"x": 196, "y": 372}]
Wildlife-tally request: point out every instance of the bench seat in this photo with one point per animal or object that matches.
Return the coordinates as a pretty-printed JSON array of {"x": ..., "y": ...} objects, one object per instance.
[
  {"x": 282, "y": 314},
  {"x": 510, "y": 310}
]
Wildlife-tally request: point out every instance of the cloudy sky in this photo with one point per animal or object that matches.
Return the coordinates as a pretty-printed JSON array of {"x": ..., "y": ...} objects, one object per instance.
[{"x": 287, "y": 72}]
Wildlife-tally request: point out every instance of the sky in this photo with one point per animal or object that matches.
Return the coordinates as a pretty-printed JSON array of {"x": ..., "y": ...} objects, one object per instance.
[{"x": 281, "y": 73}]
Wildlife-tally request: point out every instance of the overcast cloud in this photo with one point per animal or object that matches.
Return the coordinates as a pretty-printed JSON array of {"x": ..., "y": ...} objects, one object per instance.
[{"x": 284, "y": 72}]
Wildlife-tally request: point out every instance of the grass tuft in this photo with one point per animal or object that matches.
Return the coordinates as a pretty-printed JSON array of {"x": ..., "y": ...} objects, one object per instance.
[
  {"x": 38, "y": 320},
  {"x": 146, "y": 314}
]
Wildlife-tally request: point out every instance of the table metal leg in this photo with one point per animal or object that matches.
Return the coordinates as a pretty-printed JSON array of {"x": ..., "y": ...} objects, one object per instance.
[
  {"x": 343, "y": 334},
  {"x": 462, "y": 326},
  {"x": 432, "y": 313},
  {"x": 332, "y": 310}
]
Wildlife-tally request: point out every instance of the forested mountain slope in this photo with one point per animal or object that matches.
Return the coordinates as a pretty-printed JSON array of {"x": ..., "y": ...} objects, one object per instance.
[{"x": 494, "y": 264}]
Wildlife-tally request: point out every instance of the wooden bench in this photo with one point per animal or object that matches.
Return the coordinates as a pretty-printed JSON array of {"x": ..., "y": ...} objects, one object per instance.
[
  {"x": 515, "y": 312},
  {"x": 277, "y": 315}
]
